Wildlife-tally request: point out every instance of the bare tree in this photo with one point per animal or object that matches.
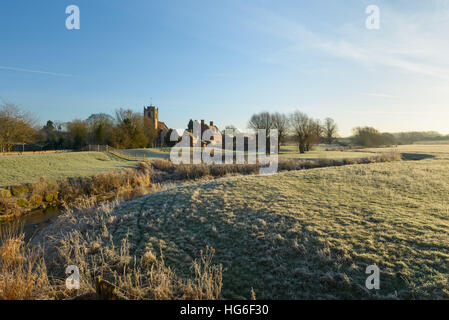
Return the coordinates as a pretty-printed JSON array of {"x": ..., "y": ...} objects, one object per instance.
[
  {"x": 280, "y": 122},
  {"x": 306, "y": 130},
  {"x": 261, "y": 120},
  {"x": 330, "y": 130},
  {"x": 316, "y": 134},
  {"x": 16, "y": 127}
]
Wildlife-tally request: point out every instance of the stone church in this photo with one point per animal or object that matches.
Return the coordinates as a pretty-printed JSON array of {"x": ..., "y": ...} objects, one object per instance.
[{"x": 152, "y": 113}]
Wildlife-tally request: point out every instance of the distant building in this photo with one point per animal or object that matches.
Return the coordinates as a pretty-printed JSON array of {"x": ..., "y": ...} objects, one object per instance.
[
  {"x": 152, "y": 113},
  {"x": 215, "y": 138},
  {"x": 216, "y": 135}
]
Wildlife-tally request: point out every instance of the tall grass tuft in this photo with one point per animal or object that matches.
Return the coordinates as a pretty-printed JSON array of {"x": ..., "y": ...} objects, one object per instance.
[{"x": 23, "y": 275}]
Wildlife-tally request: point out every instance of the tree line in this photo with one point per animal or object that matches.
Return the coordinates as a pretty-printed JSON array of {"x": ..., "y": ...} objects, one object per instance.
[
  {"x": 305, "y": 130},
  {"x": 127, "y": 130}
]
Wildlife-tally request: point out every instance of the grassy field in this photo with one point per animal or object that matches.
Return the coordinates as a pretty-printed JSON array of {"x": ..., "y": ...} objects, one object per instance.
[
  {"x": 432, "y": 149},
  {"x": 285, "y": 151},
  {"x": 151, "y": 153},
  {"x": 298, "y": 234},
  {"x": 30, "y": 168},
  {"x": 320, "y": 153},
  {"x": 439, "y": 142}
]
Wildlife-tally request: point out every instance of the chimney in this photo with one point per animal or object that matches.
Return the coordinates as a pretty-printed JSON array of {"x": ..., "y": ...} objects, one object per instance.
[
  {"x": 211, "y": 123},
  {"x": 202, "y": 125}
]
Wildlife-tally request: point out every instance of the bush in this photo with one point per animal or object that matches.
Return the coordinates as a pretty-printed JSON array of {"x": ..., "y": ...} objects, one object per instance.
[
  {"x": 370, "y": 137},
  {"x": 20, "y": 190},
  {"x": 51, "y": 197},
  {"x": 5, "y": 194},
  {"x": 22, "y": 203}
]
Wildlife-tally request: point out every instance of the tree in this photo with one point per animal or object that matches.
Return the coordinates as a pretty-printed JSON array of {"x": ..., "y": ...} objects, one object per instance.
[
  {"x": 79, "y": 132},
  {"x": 280, "y": 122},
  {"x": 316, "y": 134},
  {"x": 50, "y": 126},
  {"x": 16, "y": 127},
  {"x": 370, "y": 137},
  {"x": 261, "y": 120},
  {"x": 190, "y": 126},
  {"x": 130, "y": 131},
  {"x": 101, "y": 128},
  {"x": 330, "y": 130},
  {"x": 228, "y": 127},
  {"x": 52, "y": 136},
  {"x": 304, "y": 130}
]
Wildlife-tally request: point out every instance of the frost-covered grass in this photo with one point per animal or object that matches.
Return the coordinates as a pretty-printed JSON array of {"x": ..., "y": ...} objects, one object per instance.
[
  {"x": 150, "y": 153},
  {"x": 415, "y": 148},
  {"x": 320, "y": 153},
  {"x": 297, "y": 234},
  {"x": 30, "y": 168},
  {"x": 290, "y": 152}
]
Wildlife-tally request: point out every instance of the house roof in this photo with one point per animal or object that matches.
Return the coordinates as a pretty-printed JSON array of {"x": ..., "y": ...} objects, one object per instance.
[{"x": 162, "y": 126}]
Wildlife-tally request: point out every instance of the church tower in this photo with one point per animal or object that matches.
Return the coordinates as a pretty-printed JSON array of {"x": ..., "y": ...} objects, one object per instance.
[{"x": 151, "y": 112}]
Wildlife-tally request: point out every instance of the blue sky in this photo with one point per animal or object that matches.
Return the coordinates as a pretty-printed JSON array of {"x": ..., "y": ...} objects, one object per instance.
[{"x": 225, "y": 60}]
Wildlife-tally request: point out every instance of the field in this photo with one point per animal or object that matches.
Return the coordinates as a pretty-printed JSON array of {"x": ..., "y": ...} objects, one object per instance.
[
  {"x": 431, "y": 149},
  {"x": 30, "y": 168},
  {"x": 320, "y": 153},
  {"x": 285, "y": 152},
  {"x": 298, "y": 234}
]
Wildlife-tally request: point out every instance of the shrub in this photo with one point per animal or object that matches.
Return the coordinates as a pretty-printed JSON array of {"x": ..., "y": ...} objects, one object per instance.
[
  {"x": 164, "y": 165},
  {"x": 20, "y": 190},
  {"x": 51, "y": 197},
  {"x": 36, "y": 200},
  {"x": 5, "y": 194},
  {"x": 22, "y": 203}
]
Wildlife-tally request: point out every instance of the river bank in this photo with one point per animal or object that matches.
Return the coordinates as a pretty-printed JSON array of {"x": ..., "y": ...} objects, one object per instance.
[{"x": 21, "y": 200}]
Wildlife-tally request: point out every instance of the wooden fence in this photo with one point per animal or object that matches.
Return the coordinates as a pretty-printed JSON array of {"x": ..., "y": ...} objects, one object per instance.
[{"x": 21, "y": 153}]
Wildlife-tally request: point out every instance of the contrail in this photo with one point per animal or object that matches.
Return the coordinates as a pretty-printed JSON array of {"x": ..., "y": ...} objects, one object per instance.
[{"x": 36, "y": 71}]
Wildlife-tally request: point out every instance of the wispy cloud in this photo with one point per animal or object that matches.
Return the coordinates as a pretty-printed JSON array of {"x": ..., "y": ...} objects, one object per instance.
[
  {"x": 36, "y": 71},
  {"x": 379, "y": 95},
  {"x": 410, "y": 43}
]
